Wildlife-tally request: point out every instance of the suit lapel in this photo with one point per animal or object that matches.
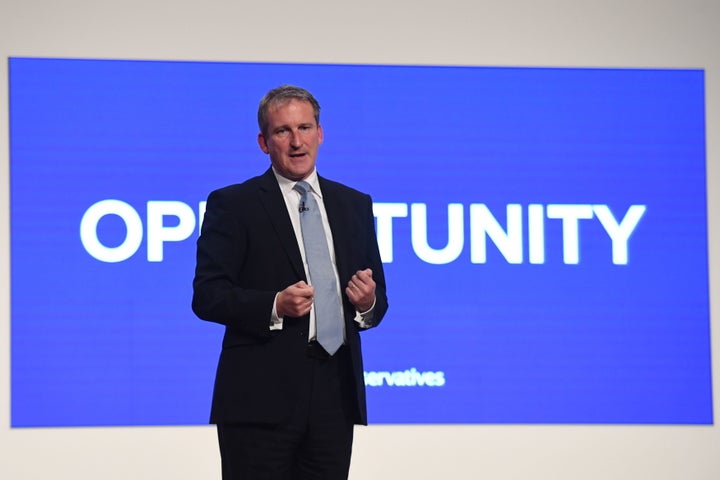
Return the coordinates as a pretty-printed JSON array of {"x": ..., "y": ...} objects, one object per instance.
[
  {"x": 274, "y": 204},
  {"x": 337, "y": 220}
]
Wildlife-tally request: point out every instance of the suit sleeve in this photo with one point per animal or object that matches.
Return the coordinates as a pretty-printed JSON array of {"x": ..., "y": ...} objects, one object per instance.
[
  {"x": 374, "y": 262},
  {"x": 219, "y": 291}
]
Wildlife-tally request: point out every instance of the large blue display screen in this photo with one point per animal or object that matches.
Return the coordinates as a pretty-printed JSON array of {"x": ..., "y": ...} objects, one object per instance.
[{"x": 543, "y": 231}]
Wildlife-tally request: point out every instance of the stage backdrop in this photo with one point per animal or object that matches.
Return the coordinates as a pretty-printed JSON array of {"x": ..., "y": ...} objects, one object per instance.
[{"x": 543, "y": 233}]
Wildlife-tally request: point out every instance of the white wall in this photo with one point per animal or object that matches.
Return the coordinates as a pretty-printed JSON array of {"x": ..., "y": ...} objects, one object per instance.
[{"x": 610, "y": 33}]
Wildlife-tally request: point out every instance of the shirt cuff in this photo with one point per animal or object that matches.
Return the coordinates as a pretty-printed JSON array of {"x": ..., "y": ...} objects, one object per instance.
[
  {"x": 365, "y": 319},
  {"x": 276, "y": 322}
]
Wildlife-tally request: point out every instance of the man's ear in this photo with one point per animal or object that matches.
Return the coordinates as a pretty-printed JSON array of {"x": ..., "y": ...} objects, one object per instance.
[{"x": 262, "y": 143}]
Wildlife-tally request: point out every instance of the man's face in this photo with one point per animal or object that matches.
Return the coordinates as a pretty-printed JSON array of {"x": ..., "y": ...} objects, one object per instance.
[{"x": 292, "y": 139}]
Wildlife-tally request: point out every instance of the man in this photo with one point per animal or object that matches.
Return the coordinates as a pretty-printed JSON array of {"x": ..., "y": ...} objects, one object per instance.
[{"x": 286, "y": 397}]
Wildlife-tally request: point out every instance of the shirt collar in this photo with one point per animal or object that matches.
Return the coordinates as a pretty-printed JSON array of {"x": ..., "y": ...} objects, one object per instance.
[{"x": 286, "y": 185}]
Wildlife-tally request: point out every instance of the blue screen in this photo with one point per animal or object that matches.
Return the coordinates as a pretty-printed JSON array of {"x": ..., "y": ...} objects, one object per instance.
[{"x": 543, "y": 233}]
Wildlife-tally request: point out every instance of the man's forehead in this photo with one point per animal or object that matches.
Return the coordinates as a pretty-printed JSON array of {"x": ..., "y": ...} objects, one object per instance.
[{"x": 276, "y": 119}]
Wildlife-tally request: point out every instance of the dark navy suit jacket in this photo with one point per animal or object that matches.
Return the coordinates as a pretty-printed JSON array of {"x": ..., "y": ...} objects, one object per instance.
[{"x": 246, "y": 253}]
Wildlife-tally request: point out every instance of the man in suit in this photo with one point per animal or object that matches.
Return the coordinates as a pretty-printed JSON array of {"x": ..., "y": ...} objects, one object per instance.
[{"x": 284, "y": 405}]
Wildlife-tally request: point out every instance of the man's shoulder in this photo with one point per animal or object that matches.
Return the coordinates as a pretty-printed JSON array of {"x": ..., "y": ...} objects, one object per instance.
[
  {"x": 337, "y": 188},
  {"x": 247, "y": 187}
]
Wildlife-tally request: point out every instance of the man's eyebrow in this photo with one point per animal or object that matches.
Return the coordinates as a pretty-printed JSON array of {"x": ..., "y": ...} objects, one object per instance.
[{"x": 286, "y": 126}]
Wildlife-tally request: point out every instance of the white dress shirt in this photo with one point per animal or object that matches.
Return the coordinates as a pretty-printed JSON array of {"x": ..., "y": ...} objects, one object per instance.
[{"x": 292, "y": 202}]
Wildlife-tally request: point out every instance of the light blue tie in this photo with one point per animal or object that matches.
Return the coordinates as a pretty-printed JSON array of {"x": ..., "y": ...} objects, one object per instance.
[{"x": 328, "y": 312}]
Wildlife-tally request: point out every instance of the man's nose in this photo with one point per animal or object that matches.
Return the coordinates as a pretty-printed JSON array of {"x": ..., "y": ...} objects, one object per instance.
[{"x": 295, "y": 140}]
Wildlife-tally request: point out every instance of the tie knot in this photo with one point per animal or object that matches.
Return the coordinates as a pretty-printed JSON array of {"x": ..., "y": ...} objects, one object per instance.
[{"x": 302, "y": 186}]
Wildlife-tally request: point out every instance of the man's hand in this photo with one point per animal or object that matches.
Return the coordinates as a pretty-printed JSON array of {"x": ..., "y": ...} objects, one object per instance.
[
  {"x": 295, "y": 300},
  {"x": 361, "y": 290}
]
